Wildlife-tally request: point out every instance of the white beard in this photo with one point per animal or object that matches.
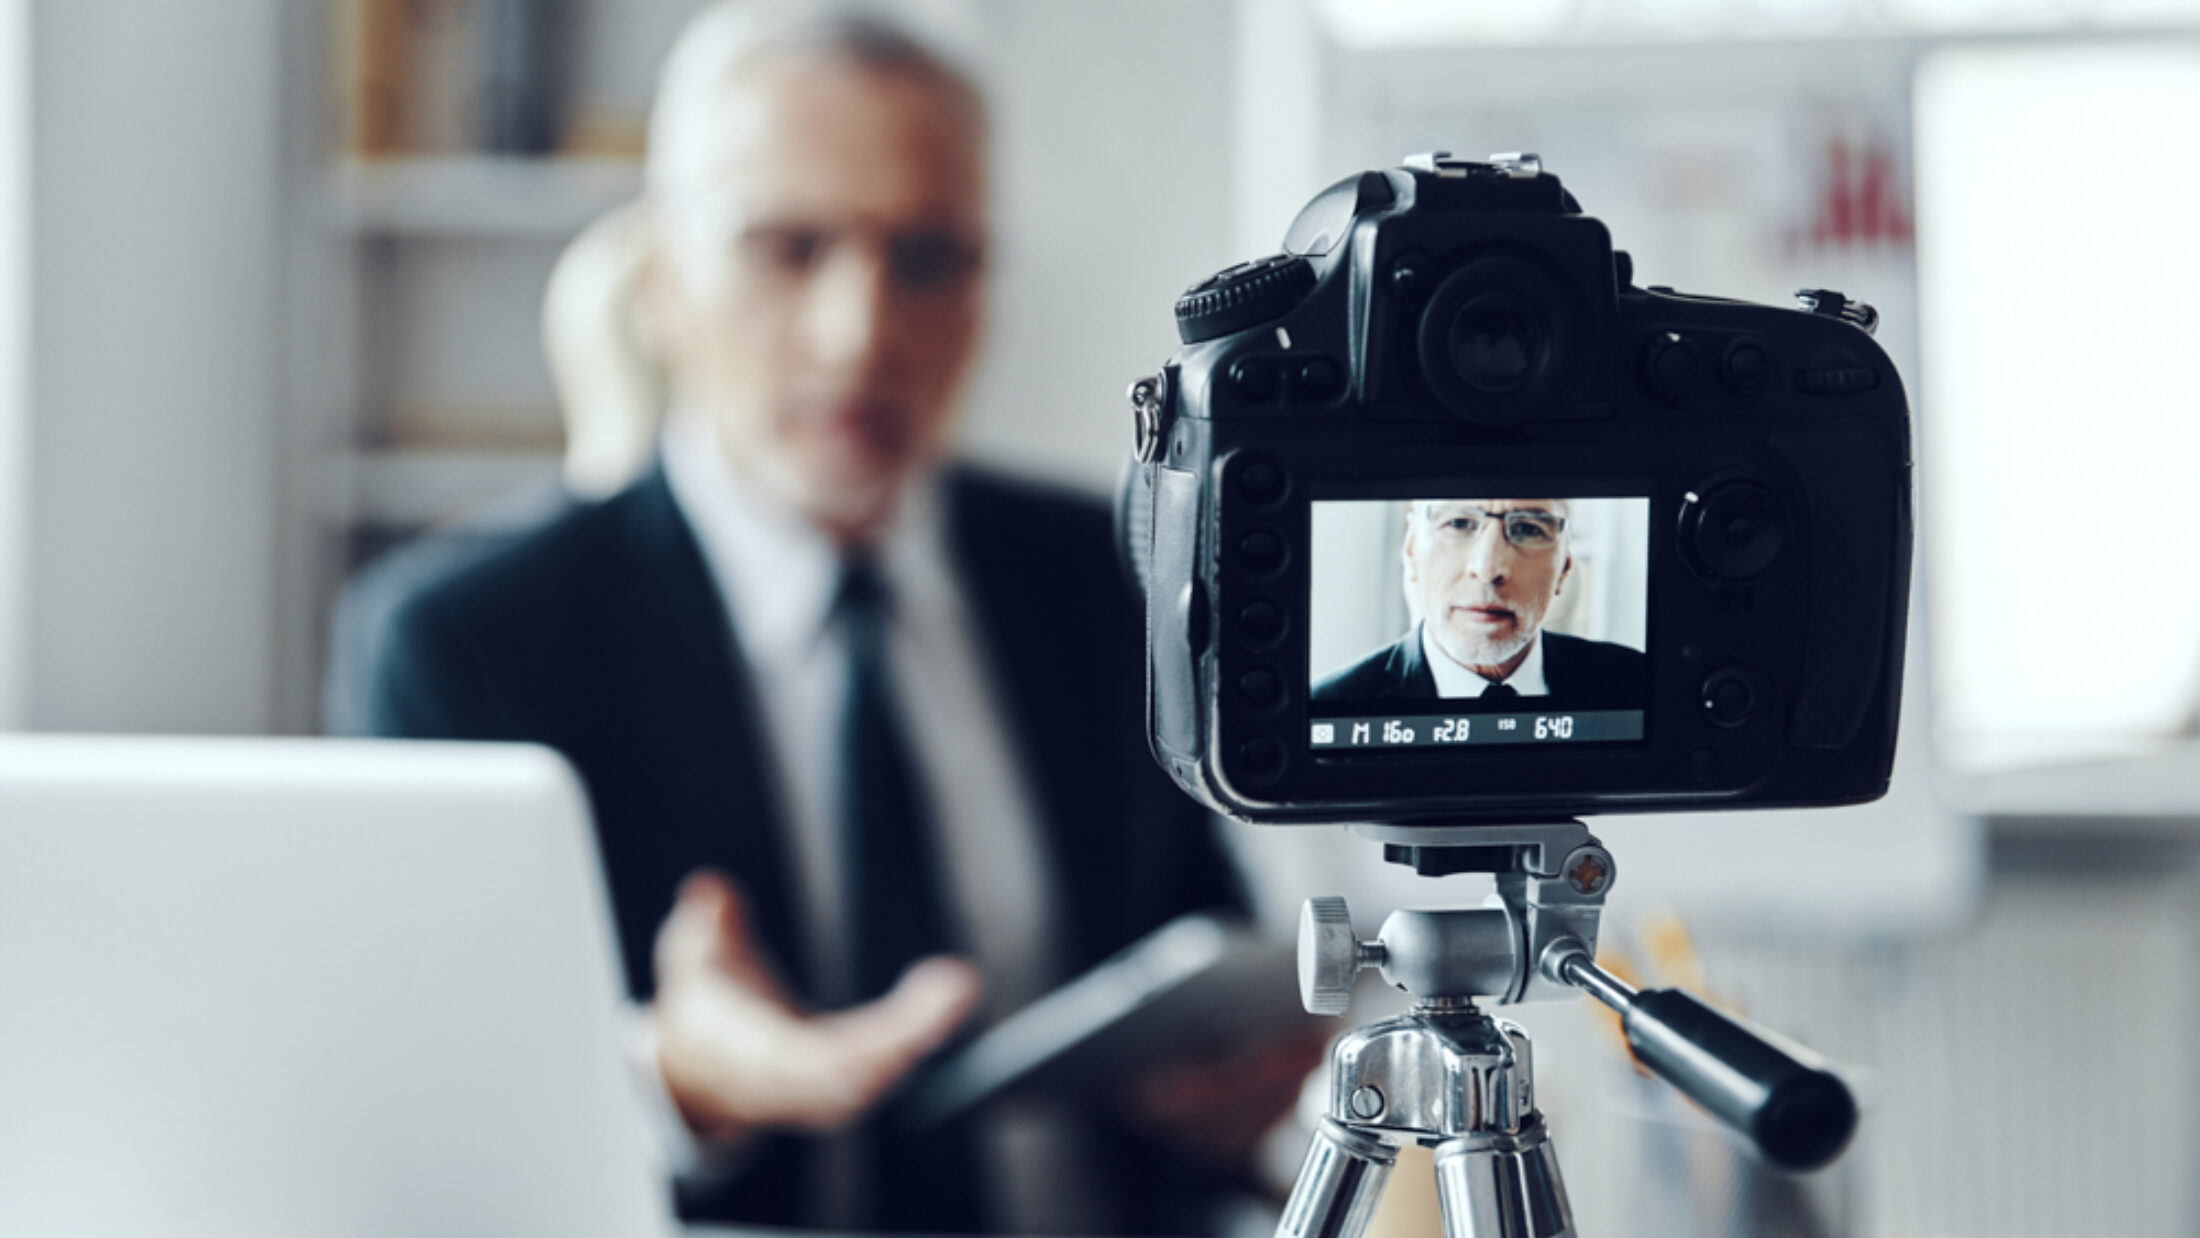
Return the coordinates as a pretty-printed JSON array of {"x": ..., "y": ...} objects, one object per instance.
[{"x": 1486, "y": 651}]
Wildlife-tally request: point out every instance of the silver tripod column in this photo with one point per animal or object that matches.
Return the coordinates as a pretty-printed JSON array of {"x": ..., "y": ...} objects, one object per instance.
[{"x": 1444, "y": 1075}]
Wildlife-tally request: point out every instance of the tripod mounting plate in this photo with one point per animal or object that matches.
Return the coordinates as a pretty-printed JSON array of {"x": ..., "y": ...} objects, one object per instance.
[
  {"x": 1550, "y": 888},
  {"x": 1536, "y": 846}
]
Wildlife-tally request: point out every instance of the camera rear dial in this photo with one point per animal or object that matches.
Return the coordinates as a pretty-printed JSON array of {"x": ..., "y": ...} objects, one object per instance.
[{"x": 1733, "y": 530}]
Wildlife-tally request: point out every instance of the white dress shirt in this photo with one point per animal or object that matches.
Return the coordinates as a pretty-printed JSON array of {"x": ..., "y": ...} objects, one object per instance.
[
  {"x": 776, "y": 573},
  {"x": 1454, "y": 680}
]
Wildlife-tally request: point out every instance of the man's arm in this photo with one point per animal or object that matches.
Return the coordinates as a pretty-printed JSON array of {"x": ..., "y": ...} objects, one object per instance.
[{"x": 738, "y": 1057}]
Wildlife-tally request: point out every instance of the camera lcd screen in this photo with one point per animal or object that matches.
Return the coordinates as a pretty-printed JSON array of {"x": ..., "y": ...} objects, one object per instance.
[{"x": 1472, "y": 620}]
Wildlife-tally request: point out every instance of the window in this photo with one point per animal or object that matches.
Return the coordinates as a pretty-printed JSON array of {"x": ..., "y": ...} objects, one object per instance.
[{"x": 2058, "y": 408}]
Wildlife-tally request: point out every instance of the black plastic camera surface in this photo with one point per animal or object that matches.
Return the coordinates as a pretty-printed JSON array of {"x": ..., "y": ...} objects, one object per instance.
[{"x": 1454, "y": 356}]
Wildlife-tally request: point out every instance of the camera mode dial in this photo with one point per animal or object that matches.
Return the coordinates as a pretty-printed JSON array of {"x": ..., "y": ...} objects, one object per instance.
[{"x": 1242, "y": 296}]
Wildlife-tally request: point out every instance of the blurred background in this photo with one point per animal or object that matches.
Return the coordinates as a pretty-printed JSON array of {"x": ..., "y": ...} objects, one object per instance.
[{"x": 271, "y": 279}]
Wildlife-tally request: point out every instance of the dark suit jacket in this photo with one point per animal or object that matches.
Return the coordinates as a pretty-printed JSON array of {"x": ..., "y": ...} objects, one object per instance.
[
  {"x": 1582, "y": 675},
  {"x": 600, "y": 633}
]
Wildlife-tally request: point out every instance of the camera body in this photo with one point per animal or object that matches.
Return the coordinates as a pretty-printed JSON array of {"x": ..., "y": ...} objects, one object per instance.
[{"x": 1450, "y": 358}]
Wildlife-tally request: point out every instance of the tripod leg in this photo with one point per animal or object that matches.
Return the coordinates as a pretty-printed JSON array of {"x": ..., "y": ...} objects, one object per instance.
[
  {"x": 1338, "y": 1184},
  {"x": 1502, "y": 1187}
]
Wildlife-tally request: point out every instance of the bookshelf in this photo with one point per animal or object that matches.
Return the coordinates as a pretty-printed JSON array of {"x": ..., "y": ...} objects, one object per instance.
[
  {"x": 464, "y": 142},
  {"x": 480, "y": 196},
  {"x": 418, "y": 221},
  {"x": 421, "y": 457},
  {"x": 414, "y": 487},
  {"x": 457, "y": 146}
]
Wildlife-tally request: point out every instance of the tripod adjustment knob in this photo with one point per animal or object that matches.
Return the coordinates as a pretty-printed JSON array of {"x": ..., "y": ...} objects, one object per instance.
[{"x": 1329, "y": 955}]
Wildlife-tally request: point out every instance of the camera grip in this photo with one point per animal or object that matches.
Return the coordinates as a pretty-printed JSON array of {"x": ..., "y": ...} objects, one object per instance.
[
  {"x": 1853, "y": 655},
  {"x": 1799, "y": 1115}
]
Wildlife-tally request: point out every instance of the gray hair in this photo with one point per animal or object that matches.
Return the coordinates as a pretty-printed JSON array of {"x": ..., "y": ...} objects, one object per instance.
[{"x": 932, "y": 38}]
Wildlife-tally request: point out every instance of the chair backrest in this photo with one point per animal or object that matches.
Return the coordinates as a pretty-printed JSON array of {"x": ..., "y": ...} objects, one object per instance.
[{"x": 610, "y": 392}]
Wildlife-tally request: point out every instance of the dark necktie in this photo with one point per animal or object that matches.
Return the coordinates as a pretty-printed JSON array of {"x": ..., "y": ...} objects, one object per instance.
[
  {"x": 897, "y": 904},
  {"x": 897, "y": 912},
  {"x": 1500, "y": 692}
]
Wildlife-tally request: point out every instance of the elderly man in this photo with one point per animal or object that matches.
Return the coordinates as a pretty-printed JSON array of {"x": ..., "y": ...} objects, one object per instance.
[
  {"x": 1482, "y": 574},
  {"x": 861, "y": 731}
]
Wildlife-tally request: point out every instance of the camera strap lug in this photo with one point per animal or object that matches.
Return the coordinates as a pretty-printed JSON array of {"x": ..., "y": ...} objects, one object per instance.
[
  {"x": 1149, "y": 398},
  {"x": 1830, "y": 304}
]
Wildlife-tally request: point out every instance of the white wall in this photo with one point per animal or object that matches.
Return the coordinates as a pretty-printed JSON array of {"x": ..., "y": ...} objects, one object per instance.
[
  {"x": 1113, "y": 149},
  {"x": 153, "y": 411},
  {"x": 1279, "y": 155},
  {"x": 14, "y": 357}
]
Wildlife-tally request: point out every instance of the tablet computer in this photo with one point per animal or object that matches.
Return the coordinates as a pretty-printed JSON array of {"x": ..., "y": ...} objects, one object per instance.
[{"x": 1200, "y": 986}]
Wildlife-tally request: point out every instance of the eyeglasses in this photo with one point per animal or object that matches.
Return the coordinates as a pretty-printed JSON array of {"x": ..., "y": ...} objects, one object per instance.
[
  {"x": 920, "y": 260},
  {"x": 1530, "y": 531}
]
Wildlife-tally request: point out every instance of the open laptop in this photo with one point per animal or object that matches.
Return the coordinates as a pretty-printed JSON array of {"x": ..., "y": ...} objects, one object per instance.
[{"x": 308, "y": 987}]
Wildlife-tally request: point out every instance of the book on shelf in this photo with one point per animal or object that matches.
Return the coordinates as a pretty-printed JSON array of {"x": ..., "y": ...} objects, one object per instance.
[
  {"x": 446, "y": 77},
  {"x": 372, "y": 59},
  {"x": 520, "y": 60}
]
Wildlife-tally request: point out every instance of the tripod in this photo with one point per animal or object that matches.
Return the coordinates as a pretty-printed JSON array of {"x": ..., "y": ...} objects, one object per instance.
[{"x": 1448, "y": 1076}]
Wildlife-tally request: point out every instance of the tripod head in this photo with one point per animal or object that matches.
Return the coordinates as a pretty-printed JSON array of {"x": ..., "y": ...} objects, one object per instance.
[{"x": 1537, "y": 941}]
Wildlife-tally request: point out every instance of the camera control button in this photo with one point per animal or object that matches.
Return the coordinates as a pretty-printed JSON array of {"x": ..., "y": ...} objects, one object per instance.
[
  {"x": 1260, "y": 688},
  {"x": 1731, "y": 697},
  {"x": 1262, "y": 551},
  {"x": 1670, "y": 366},
  {"x": 1260, "y": 758},
  {"x": 1320, "y": 378},
  {"x": 1747, "y": 366},
  {"x": 1254, "y": 380},
  {"x": 1261, "y": 621},
  {"x": 1409, "y": 275},
  {"x": 1262, "y": 483}
]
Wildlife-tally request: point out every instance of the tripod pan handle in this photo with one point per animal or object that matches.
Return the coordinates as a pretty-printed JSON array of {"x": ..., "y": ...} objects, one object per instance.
[{"x": 1799, "y": 1115}]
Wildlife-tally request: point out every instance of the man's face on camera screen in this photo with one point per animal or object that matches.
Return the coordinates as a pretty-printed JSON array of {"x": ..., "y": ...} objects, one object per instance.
[{"x": 1483, "y": 572}]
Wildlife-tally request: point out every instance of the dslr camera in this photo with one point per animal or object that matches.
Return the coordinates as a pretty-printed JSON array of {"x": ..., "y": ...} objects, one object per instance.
[{"x": 1443, "y": 521}]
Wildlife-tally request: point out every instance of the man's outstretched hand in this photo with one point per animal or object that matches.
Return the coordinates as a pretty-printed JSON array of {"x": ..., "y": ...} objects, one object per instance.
[{"x": 738, "y": 1057}]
